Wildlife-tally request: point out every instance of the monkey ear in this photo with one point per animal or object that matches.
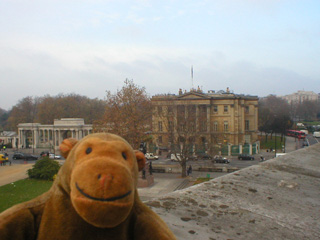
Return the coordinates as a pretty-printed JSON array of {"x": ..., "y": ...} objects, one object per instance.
[
  {"x": 141, "y": 159},
  {"x": 66, "y": 146}
]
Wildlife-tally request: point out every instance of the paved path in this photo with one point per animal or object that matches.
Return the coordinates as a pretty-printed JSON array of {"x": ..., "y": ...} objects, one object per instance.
[{"x": 15, "y": 172}]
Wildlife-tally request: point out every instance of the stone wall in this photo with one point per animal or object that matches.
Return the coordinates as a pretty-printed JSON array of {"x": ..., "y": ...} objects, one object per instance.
[{"x": 277, "y": 199}]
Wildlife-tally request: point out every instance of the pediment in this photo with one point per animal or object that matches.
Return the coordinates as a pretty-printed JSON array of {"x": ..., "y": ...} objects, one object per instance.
[{"x": 193, "y": 95}]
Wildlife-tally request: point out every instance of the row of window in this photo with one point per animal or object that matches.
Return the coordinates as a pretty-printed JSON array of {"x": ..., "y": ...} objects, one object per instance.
[
  {"x": 203, "y": 126},
  {"x": 203, "y": 108}
]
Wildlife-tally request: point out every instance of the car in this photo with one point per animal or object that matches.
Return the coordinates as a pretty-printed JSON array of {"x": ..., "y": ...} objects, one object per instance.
[
  {"x": 192, "y": 158},
  {"x": 176, "y": 157},
  {"x": 30, "y": 157},
  {"x": 220, "y": 159},
  {"x": 45, "y": 154},
  {"x": 3, "y": 159},
  {"x": 53, "y": 156},
  {"x": 245, "y": 157},
  {"x": 150, "y": 156},
  {"x": 204, "y": 156},
  {"x": 19, "y": 155}
]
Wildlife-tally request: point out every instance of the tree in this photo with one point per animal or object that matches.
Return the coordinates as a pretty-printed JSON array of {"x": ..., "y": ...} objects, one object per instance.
[
  {"x": 24, "y": 112},
  {"x": 127, "y": 113},
  {"x": 47, "y": 108},
  {"x": 307, "y": 110},
  {"x": 4, "y": 115},
  {"x": 274, "y": 115},
  {"x": 180, "y": 124},
  {"x": 69, "y": 106}
]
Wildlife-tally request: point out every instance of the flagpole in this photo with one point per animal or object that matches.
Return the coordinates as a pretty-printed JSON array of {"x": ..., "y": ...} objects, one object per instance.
[{"x": 192, "y": 76}]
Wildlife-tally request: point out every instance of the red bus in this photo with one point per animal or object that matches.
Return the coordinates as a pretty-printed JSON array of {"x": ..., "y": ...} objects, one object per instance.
[{"x": 296, "y": 134}]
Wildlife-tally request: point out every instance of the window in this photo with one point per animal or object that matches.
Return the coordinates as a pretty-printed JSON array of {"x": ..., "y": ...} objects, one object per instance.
[
  {"x": 160, "y": 126},
  {"x": 159, "y": 109},
  {"x": 246, "y": 109},
  {"x": 225, "y": 109},
  {"x": 170, "y": 125},
  {"x": 247, "y": 125},
  {"x": 203, "y": 126},
  {"x": 226, "y": 126},
  {"x": 170, "y": 110},
  {"x": 160, "y": 139},
  {"x": 215, "y": 108},
  {"x": 203, "y": 109},
  {"x": 215, "y": 126}
]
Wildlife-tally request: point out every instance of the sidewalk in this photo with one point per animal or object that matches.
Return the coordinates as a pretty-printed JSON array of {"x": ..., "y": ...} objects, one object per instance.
[
  {"x": 169, "y": 182},
  {"x": 15, "y": 172}
]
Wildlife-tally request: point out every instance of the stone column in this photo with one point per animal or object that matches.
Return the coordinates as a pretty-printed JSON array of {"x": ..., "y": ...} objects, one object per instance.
[
  {"x": 35, "y": 140},
  {"x": 197, "y": 119},
  {"x": 229, "y": 149},
  {"x": 208, "y": 118}
]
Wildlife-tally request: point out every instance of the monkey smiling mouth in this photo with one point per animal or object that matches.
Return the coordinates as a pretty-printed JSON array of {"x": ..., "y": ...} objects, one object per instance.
[{"x": 111, "y": 199}]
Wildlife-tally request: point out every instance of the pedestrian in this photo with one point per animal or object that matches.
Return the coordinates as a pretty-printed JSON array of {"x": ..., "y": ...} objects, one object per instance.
[
  {"x": 150, "y": 168},
  {"x": 261, "y": 158},
  {"x": 143, "y": 173},
  {"x": 189, "y": 171}
]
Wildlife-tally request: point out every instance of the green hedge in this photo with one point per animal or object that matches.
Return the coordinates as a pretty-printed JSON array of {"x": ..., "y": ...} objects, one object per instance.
[{"x": 44, "y": 169}]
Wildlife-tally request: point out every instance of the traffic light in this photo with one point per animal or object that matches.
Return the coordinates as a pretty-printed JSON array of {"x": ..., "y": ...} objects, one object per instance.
[{"x": 143, "y": 148}]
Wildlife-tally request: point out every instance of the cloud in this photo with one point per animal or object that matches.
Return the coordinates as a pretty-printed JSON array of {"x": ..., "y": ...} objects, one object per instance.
[{"x": 39, "y": 66}]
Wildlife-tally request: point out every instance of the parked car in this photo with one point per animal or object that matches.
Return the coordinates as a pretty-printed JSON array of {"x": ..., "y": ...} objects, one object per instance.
[
  {"x": 3, "y": 159},
  {"x": 316, "y": 134},
  {"x": 175, "y": 157},
  {"x": 19, "y": 155},
  {"x": 53, "y": 156},
  {"x": 245, "y": 157},
  {"x": 220, "y": 159},
  {"x": 30, "y": 157},
  {"x": 45, "y": 154},
  {"x": 150, "y": 156},
  {"x": 204, "y": 156}
]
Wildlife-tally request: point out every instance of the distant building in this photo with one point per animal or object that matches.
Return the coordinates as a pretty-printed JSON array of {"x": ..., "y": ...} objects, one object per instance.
[
  {"x": 219, "y": 118},
  {"x": 8, "y": 137},
  {"x": 36, "y": 135},
  {"x": 300, "y": 97}
]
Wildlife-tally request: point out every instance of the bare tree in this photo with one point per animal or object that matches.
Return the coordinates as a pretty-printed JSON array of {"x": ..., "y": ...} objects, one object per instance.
[
  {"x": 127, "y": 113},
  {"x": 274, "y": 115},
  {"x": 24, "y": 112},
  {"x": 179, "y": 124}
]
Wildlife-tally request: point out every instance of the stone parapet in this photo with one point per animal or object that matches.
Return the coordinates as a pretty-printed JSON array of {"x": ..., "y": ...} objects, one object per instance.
[{"x": 277, "y": 199}]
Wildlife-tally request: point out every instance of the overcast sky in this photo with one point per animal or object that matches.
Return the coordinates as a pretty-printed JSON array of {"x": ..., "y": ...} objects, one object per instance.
[{"x": 256, "y": 47}]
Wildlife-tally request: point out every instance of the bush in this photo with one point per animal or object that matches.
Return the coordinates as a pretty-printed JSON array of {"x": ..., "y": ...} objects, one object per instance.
[{"x": 44, "y": 169}]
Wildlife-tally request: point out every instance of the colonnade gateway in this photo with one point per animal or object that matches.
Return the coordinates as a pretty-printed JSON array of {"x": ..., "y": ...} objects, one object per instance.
[{"x": 36, "y": 135}]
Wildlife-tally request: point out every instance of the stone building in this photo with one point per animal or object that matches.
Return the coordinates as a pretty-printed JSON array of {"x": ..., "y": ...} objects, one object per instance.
[
  {"x": 36, "y": 135},
  {"x": 300, "y": 97},
  {"x": 9, "y": 137},
  {"x": 217, "y": 119}
]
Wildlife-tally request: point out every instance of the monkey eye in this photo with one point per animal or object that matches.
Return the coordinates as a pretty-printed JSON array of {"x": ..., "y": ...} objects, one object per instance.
[
  {"x": 124, "y": 156},
  {"x": 88, "y": 150}
]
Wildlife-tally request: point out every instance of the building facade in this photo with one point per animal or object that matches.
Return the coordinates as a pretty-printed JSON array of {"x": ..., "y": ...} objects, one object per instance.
[
  {"x": 213, "y": 119},
  {"x": 300, "y": 97},
  {"x": 36, "y": 135},
  {"x": 9, "y": 137}
]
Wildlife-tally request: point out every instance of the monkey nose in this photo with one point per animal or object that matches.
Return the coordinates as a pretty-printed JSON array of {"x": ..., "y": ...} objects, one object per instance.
[{"x": 105, "y": 179}]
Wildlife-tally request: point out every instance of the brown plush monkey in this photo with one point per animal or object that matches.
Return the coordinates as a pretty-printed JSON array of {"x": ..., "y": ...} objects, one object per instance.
[{"x": 93, "y": 197}]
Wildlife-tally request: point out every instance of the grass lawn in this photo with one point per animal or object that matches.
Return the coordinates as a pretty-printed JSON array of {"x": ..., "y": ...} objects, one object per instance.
[
  {"x": 201, "y": 180},
  {"x": 21, "y": 191},
  {"x": 270, "y": 143}
]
